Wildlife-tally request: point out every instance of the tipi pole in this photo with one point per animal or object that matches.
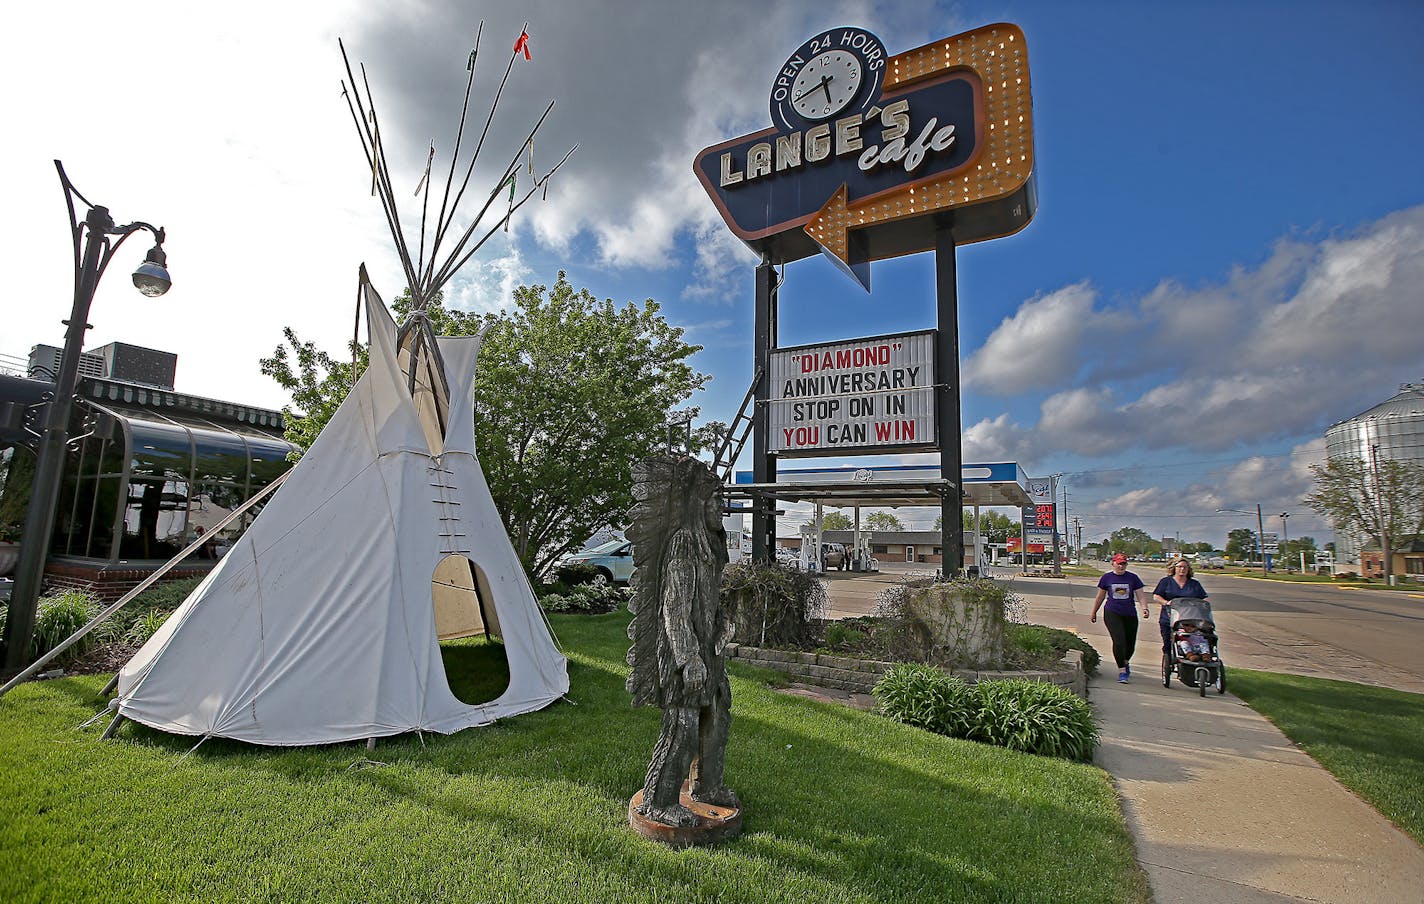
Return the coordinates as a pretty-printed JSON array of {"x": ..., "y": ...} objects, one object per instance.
[
  {"x": 454, "y": 156},
  {"x": 494, "y": 105},
  {"x": 522, "y": 201},
  {"x": 147, "y": 582},
  {"x": 446, "y": 271},
  {"x": 113, "y": 727}
]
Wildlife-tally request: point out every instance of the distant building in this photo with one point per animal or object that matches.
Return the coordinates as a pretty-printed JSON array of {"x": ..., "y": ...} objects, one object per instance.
[
  {"x": 149, "y": 469},
  {"x": 1396, "y": 428},
  {"x": 115, "y": 361}
]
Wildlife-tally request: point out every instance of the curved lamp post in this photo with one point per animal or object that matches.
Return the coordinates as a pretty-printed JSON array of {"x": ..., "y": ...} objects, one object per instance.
[
  {"x": 1260, "y": 532},
  {"x": 94, "y": 247}
]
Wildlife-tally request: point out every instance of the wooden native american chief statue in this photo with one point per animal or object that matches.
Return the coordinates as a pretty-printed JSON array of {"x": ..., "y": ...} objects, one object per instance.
[{"x": 679, "y": 631}]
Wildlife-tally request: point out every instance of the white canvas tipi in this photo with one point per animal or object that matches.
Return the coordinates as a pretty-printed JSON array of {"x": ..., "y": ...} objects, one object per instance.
[{"x": 320, "y": 625}]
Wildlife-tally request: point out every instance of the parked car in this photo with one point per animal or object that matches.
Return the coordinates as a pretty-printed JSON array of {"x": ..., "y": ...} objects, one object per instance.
[
  {"x": 1212, "y": 562},
  {"x": 614, "y": 561},
  {"x": 832, "y": 555}
]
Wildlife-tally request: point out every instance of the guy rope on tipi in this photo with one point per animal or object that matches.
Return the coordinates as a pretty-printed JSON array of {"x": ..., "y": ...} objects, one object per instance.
[{"x": 322, "y": 623}]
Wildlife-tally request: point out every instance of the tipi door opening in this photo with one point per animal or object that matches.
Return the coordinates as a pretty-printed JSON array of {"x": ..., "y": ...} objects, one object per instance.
[{"x": 467, "y": 625}]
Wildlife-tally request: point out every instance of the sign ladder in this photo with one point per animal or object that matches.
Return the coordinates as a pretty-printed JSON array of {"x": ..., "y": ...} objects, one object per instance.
[{"x": 737, "y": 432}]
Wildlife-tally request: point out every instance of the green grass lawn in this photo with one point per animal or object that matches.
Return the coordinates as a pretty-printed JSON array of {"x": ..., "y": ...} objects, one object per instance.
[
  {"x": 839, "y": 806},
  {"x": 1370, "y": 738}
]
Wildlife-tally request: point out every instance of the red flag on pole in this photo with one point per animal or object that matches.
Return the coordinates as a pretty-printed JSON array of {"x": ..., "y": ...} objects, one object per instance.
[{"x": 522, "y": 45}]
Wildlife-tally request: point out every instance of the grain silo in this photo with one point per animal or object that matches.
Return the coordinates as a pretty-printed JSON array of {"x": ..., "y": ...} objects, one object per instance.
[{"x": 1395, "y": 427}]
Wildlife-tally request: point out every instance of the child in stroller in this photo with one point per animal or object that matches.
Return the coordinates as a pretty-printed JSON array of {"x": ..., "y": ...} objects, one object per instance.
[{"x": 1192, "y": 654}]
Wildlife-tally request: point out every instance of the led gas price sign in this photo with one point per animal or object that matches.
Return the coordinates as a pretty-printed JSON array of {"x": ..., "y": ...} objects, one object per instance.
[{"x": 858, "y": 395}]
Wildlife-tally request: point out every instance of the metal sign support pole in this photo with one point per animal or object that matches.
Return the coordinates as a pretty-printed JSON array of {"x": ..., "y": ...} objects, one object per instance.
[
  {"x": 947, "y": 399},
  {"x": 763, "y": 462}
]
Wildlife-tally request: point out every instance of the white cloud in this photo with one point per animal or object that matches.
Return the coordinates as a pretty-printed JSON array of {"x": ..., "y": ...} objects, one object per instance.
[
  {"x": 994, "y": 439},
  {"x": 1279, "y": 351},
  {"x": 1056, "y": 331}
]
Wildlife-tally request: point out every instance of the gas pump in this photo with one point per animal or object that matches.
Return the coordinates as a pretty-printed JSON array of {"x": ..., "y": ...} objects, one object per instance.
[
  {"x": 861, "y": 559},
  {"x": 810, "y": 549}
]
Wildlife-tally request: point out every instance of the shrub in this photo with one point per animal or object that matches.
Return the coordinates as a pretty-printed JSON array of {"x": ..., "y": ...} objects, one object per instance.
[
  {"x": 145, "y": 626},
  {"x": 1028, "y": 716},
  {"x": 165, "y": 595},
  {"x": 58, "y": 617},
  {"x": 1034, "y": 717},
  {"x": 925, "y": 697},
  {"x": 844, "y": 636},
  {"x": 959, "y": 622},
  {"x": 1036, "y": 645},
  {"x": 574, "y": 574},
  {"x": 1031, "y": 639},
  {"x": 584, "y": 599},
  {"x": 771, "y": 604}
]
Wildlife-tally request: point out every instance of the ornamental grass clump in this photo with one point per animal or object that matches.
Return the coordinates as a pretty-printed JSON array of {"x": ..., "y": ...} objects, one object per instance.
[
  {"x": 58, "y": 617},
  {"x": 1027, "y": 716}
]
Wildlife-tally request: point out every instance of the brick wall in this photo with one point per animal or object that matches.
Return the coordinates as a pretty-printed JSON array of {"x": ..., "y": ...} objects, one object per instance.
[
  {"x": 109, "y": 582},
  {"x": 860, "y": 675}
]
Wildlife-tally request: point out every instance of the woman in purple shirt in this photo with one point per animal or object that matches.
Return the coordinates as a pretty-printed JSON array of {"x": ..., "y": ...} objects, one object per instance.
[{"x": 1121, "y": 588}]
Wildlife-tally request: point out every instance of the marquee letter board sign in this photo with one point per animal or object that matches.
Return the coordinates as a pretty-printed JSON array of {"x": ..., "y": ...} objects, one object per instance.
[
  {"x": 867, "y": 150},
  {"x": 855, "y": 397}
]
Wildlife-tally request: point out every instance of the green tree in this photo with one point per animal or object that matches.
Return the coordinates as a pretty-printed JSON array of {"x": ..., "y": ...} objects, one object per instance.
[
  {"x": 570, "y": 391},
  {"x": 1241, "y": 544},
  {"x": 1383, "y": 503},
  {"x": 17, "y": 473},
  {"x": 837, "y": 521},
  {"x": 1292, "y": 548},
  {"x": 883, "y": 521},
  {"x": 1132, "y": 541}
]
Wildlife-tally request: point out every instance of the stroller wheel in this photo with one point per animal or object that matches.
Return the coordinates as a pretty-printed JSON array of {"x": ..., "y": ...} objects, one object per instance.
[
  {"x": 1166, "y": 670},
  {"x": 1220, "y": 678},
  {"x": 1202, "y": 677}
]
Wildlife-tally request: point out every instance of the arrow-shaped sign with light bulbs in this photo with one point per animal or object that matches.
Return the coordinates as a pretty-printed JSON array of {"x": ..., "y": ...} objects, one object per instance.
[{"x": 871, "y": 154}]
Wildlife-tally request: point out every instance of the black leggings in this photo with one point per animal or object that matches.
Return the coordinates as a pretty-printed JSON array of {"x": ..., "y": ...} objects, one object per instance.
[{"x": 1123, "y": 630}]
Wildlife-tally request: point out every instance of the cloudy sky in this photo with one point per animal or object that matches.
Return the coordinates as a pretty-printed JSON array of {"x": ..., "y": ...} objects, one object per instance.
[{"x": 1226, "y": 257}]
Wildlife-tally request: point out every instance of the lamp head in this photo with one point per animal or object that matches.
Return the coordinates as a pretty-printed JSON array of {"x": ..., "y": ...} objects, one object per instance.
[{"x": 151, "y": 278}]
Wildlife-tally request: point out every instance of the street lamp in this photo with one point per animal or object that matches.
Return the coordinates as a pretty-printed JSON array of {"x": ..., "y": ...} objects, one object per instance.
[
  {"x": 151, "y": 278},
  {"x": 1260, "y": 532}
]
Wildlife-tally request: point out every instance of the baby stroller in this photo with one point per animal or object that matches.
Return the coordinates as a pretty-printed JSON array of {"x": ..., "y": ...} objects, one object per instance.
[{"x": 1192, "y": 654}]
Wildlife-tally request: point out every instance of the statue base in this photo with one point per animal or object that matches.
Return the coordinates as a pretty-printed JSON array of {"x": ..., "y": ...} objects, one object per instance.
[{"x": 714, "y": 823}]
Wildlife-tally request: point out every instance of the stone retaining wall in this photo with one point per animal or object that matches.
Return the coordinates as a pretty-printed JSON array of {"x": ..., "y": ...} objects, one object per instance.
[{"x": 860, "y": 675}]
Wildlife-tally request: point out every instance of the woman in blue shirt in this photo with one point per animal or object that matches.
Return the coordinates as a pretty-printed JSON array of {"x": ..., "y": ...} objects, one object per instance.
[{"x": 1177, "y": 584}]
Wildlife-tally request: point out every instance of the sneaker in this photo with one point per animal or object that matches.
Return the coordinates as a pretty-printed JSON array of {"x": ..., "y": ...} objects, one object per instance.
[
  {"x": 1122, "y": 677},
  {"x": 1127, "y": 670}
]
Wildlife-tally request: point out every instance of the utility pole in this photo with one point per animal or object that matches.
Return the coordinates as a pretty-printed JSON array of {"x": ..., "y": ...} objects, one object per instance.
[
  {"x": 1285, "y": 540},
  {"x": 1379, "y": 510},
  {"x": 1260, "y": 538}
]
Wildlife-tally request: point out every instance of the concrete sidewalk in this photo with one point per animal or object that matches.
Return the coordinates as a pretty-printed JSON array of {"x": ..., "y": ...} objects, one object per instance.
[{"x": 1223, "y": 808}]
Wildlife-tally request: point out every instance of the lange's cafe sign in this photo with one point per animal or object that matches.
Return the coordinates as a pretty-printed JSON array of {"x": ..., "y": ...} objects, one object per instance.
[
  {"x": 857, "y": 395},
  {"x": 867, "y": 148}
]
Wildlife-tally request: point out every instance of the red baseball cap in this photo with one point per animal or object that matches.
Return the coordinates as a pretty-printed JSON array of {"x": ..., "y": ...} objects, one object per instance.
[{"x": 1119, "y": 557}]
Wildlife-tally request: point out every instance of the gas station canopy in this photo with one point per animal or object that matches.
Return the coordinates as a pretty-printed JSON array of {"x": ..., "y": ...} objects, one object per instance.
[{"x": 892, "y": 486}]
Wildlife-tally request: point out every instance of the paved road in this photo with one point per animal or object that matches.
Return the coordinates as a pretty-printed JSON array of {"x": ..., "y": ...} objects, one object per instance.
[{"x": 1367, "y": 636}]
